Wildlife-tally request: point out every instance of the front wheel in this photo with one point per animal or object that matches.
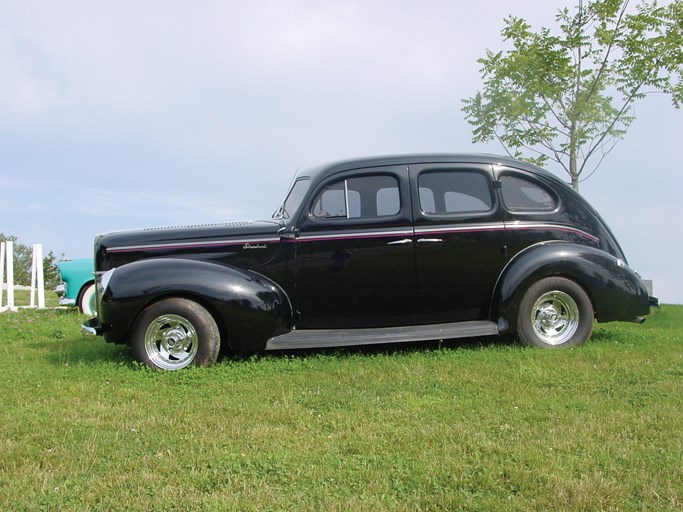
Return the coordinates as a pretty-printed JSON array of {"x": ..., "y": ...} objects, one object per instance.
[
  {"x": 175, "y": 333},
  {"x": 555, "y": 312},
  {"x": 86, "y": 300}
]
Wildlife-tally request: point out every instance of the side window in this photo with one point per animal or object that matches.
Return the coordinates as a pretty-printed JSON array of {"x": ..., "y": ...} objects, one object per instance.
[
  {"x": 523, "y": 196},
  {"x": 362, "y": 197},
  {"x": 454, "y": 192},
  {"x": 388, "y": 201}
]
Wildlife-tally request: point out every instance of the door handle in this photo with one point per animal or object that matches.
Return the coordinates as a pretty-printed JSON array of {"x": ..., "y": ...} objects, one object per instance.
[
  {"x": 401, "y": 242},
  {"x": 429, "y": 240}
]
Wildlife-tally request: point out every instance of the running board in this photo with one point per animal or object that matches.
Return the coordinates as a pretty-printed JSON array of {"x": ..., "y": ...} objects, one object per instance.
[{"x": 323, "y": 338}]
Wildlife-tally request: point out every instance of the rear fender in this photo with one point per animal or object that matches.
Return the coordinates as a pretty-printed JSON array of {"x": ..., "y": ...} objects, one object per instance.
[
  {"x": 615, "y": 290},
  {"x": 248, "y": 307}
]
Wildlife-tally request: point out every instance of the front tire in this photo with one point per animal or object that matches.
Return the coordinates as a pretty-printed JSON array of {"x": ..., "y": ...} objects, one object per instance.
[
  {"x": 555, "y": 312},
  {"x": 86, "y": 299},
  {"x": 175, "y": 333}
]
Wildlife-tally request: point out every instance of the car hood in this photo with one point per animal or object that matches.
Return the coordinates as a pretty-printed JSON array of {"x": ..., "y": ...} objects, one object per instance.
[{"x": 243, "y": 243}]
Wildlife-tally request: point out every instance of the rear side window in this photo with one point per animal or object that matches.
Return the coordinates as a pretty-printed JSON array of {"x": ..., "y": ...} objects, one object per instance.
[
  {"x": 362, "y": 197},
  {"x": 443, "y": 192},
  {"x": 523, "y": 196}
]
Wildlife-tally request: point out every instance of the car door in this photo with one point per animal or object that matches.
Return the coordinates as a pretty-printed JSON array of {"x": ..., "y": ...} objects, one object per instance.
[
  {"x": 459, "y": 241},
  {"x": 355, "y": 262}
]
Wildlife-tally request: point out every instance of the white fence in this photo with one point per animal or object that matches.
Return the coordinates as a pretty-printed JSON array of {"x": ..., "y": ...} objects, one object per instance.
[{"x": 7, "y": 277}]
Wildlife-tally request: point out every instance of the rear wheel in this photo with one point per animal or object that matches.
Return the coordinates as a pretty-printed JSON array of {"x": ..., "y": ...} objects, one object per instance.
[
  {"x": 555, "y": 312},
  {"x": 175, "y": 333}
]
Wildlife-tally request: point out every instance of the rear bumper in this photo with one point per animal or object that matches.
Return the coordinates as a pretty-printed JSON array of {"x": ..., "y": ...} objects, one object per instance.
[{"x": 653, "y": 302}]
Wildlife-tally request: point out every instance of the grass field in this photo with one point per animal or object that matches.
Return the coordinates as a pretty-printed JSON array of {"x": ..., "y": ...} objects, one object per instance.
[
  {"x": 22, "y": 298},
  {"x": 477, "y": 425}
]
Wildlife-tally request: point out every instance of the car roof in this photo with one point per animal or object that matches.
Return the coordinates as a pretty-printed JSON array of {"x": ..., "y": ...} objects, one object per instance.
[{"x": 328, "y": 169}]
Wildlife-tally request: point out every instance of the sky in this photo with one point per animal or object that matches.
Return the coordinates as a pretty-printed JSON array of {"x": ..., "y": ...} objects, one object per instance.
[{"x": 128, "y": 114}]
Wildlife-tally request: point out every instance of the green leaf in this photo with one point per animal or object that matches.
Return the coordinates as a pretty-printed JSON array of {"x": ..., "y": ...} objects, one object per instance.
[{"x": 565, "y": 93}]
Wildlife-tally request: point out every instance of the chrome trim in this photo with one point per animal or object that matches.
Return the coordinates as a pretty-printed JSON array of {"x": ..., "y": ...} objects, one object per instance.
[
  {"x": 346, "y": 198},
  {"x": 558, "y": 227},
  {"x": 232, "y": 224},
  {"x": 65, "y": 301},
  {"x": 429, "y": 240},
  {"x": 400, "y": 242},
  {"x": 104, "y": 280},
  {"x": 357, "y": 234},
  {"x": 91, "y": 327},
  {"x": 498, "y": 226},
  {"x": 88, "y": 331},
  {"x": 176, "y": 245},
  {"x": 491, "y": 226}
]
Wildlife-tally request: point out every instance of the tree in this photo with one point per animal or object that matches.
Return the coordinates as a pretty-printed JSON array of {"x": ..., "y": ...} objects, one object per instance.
[
  {"x": 23, "y": 261},
  {"x": 568, "y": 96}
]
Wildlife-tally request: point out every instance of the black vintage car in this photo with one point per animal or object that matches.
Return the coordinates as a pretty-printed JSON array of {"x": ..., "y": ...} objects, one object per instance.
[{"x": 377, "y": 250}]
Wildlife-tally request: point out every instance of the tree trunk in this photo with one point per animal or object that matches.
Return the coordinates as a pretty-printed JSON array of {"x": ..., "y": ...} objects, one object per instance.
[
  {"x": 573, "y": 145},
  {"x": 573, "y": 169},
  {"x": 575, "y": 182}
]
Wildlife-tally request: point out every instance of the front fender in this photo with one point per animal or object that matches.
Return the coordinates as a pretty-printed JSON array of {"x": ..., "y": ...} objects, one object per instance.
[
  {"x": 75, "y": 274},
  {"x": 248, "y": 307},
  {"x": 616, "y": 291}
]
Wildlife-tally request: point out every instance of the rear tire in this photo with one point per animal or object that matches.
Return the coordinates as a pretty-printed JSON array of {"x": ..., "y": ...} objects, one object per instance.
[
  {"x": 175, "y": 333},
  {"x": 555, "y": 312}
]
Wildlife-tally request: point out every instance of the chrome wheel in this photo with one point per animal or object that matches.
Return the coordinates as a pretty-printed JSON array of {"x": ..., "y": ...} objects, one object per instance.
[
  {"x": 555, "y": 317},
  {"x": 174, "y": 333},
  {"x": 171, "y": 342},
  {"x": 555, "y": 312}
]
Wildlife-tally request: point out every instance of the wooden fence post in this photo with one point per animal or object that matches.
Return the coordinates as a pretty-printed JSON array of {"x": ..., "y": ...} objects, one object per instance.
[
  {"x": 37, "y": 275},
  {"x": 7, "y": 252}
]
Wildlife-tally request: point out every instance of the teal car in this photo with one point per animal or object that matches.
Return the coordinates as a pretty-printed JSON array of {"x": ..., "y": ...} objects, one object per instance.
[{"x": 78, "y": 284}]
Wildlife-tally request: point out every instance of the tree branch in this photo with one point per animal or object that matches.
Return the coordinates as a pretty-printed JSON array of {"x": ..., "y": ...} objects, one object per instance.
[{"x": 617, "y": 117}]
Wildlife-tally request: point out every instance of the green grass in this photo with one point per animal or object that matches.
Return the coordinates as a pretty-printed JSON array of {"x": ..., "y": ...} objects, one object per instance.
[
  {"x": 453, "y": 426},
  {"x": 23, "y": 298}
]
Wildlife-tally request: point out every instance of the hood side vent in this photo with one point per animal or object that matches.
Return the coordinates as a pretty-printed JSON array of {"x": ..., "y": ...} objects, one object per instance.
[{"x": 218, "y": 224}]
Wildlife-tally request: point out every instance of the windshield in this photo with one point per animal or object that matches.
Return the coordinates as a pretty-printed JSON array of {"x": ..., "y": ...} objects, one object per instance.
[{"x": 294, "y": 198}]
